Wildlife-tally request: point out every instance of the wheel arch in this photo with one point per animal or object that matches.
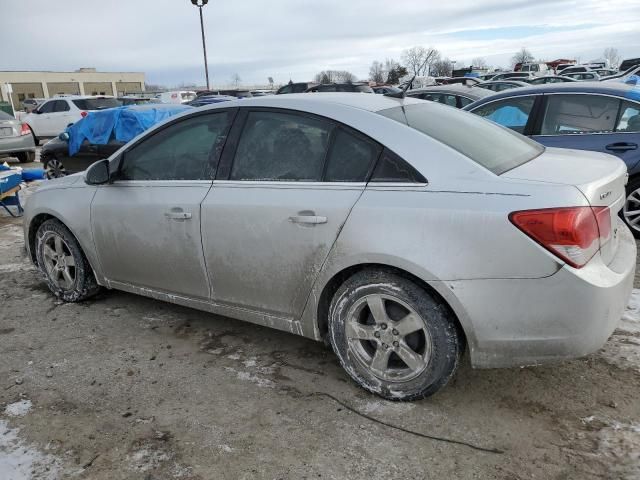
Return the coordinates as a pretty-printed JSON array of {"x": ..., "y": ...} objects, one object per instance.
[{"x": 437, "y": 288}]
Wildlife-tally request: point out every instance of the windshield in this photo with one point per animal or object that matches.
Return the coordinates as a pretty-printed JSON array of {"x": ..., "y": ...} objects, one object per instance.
[
  {"x": 496, "y": 148},
  {"x": 96, "y": 103}
]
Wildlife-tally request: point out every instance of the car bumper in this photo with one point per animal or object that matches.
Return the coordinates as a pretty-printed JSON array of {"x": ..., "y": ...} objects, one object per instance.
[
  {"x": 23, "y": 143},
  {"x": 519, "y": 322}
]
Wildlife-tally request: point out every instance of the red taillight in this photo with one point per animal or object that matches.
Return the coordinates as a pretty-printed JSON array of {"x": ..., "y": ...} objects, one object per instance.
[
  {"x": 25, "y": 130},
  {"x": 84, "y": 114},
  {"x": 574, "y": 233}
]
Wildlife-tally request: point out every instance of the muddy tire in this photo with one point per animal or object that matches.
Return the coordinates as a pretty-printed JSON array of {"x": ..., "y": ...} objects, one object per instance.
[
  {"x": 63, "y": 264},
  {"x": 392, "y": 337}
]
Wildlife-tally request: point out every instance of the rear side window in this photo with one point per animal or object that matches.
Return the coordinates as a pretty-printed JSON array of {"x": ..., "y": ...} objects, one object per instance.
[
  {"x": 393, "y": 169},
  {"x": 629, "y": 118},
  {"x": 96, "y": 103},
  {"x": 512, "y": 113},
  {"x": 496, "y": 148},
  {"x": 281, "y": 147},
  {"x": 350, "y": 158},
  {"x": 576, "y": 114}
]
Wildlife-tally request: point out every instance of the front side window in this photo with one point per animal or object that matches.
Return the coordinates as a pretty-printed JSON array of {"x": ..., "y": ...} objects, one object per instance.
[
  {"x": 579, "y": 114},
  {"x": 495, "y": 148},
  {"x": 512, "y": 113},
  {"x": 277, "y": 146},
  {"x": 47, "y": 107},
  {"x": 629, "y": 118},
  {"x": 183, "y": 151}
]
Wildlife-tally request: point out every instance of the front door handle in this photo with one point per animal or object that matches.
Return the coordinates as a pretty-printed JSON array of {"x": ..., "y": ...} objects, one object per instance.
[
  {"x": 307, "y": 218},
  {"x": 177, "y": 215},
  {"x": 621, "y": 146}
]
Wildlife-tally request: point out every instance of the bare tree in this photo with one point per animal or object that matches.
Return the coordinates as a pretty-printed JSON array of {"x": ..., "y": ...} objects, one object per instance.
[
  {"x": 442, "y": 68},
  {"x": 523, "y": 56},
  {"x": 235, "y": 80},
  {"x": 335, "y": 76},
  {"x": 610, "y": 54},
  {"x": 419, "y": 59},
  {"x": 479, "y": 63},
  {"x": 377, "y": 72}
]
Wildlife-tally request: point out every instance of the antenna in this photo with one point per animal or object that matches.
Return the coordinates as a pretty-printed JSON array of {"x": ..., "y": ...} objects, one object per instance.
[{"x": 402, "y": 93}]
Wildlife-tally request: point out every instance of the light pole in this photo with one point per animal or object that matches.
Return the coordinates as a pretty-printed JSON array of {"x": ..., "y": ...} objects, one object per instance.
[{"x": 200, "y": 4}]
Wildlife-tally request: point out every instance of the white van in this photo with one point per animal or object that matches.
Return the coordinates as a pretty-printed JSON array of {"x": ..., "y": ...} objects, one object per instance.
[
  {"x": 537, "y": 69},
  {"x": 179, "y": 96}
]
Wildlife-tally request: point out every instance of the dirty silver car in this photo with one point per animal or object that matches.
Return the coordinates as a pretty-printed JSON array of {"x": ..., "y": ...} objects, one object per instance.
[{"x": 399, "y": 231}]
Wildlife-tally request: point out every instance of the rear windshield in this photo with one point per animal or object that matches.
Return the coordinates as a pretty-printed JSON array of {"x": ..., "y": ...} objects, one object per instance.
[
  {"x": 494, "y": 147},
  {"x": 5, "y": 116},
  {"x": 96, "y": 103}
]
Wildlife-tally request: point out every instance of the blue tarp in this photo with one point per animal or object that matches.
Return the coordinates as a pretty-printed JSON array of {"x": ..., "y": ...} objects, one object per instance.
[
  {"x": 122, "y": 123},
  {"x": 509, "y": 116}
]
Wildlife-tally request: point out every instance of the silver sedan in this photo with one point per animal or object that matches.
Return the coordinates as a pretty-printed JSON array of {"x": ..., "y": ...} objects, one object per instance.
[
  {"x": 16, "y": 139},
  {"x": 399, "y": 231}
]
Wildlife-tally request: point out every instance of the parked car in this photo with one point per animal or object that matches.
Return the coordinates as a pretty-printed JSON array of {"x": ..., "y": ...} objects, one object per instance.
[
  {"x": 591, "y": 76},
  {"x": 57, "y": 159},
  {"x": 453, "y": 95},
  {"x": 629, "y": 63},
  {"x": 30, "y": 104},
  {"x": 298, "y": 87},
  {"x": 537, "y": 69},
  {"x": 179, "y": 96},
  {"x": 500, "y": 85},
  {"x": 605, "y": 72},
  {"x": 513, "y": 76},
  {"x": 357, "y": 87},
  {"x": 385, "y": 89},
  {"x": 551, "y": 79},
  {"x": 16, "y": 139},
  {"x": 460, "y": 80},
  {"x": 54, "y": 115},
  {"x": 363, "y": 220},
  {"x": 210, "y": 99},
  {"x": 562, "y": 66},
  {"x": 623, "y": 75},
  {"x": 137, "y": 100},
  {"x": 602, "y": 117}
]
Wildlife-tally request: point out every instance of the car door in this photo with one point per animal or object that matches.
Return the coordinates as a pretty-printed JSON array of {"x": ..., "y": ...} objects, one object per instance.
[
  {"x": 39, "y": 120},
  {"x": 600, "y": 123},
  {"x": 279, "y": 200},
  {"x": 61, "y": 117},
  {"x": 146, "y": 223}
]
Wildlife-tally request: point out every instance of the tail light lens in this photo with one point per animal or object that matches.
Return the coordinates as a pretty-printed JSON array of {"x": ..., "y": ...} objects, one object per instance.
[
  {"x": 25, "y": 130},
  {"x": 574, "y": 234},
  {"x": 84, "y": 114}
]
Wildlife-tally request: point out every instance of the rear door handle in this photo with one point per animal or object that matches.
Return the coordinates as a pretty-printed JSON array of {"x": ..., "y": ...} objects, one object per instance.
[
  {"x": 178, "y": 215},
  {"x": 308, "y": 219},
  {"x": 621, "y": 146}
]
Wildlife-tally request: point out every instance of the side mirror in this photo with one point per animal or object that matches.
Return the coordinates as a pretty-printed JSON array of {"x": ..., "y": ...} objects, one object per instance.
[
  {"x": 64, "y": 136},
  {"x": 98, "y": 173}
]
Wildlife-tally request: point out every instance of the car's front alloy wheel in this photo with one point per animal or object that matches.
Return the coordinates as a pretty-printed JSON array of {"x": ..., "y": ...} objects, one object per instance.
[
  {"x": 53, "y": 168},
  {"x": 393, "y": 337}
]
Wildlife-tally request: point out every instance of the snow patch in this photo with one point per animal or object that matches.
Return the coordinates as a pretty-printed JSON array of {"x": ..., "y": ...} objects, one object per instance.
[
  {"x": 250, "y": 377},
  {"x": 19, "y": 461},
  {"x": 619, "y": 443},
  {"x": 382, "y": 406},
  {"x": 18, "y": 409},
  {"x": 630, "y": 322},
  {"x": 623, "y": 348},
  {"x": 16, "y": 267},
  {"x": 225, "y": 448},
  {"x": 147, "y": 458}
]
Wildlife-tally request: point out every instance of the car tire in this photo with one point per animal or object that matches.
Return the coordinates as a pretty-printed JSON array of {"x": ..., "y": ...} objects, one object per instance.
[
  {"x": 408, "y": 349},
  {"x": 54, "y": 168},
  {"x": 632, "y": 204},
  {"x": 26, "y": 157},
  {"x": 63, "y": 264}
]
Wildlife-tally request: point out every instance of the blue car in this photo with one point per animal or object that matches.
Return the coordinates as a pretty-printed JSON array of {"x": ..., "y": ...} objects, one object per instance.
[{"x": 598, "y": 116}]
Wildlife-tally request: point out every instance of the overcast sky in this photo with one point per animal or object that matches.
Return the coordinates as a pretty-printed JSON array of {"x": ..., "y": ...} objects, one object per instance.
[{"x": 295, "y": 39}]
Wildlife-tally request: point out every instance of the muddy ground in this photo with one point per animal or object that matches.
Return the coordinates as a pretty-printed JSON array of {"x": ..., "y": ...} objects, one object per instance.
[{"x": 124, "y": 387}]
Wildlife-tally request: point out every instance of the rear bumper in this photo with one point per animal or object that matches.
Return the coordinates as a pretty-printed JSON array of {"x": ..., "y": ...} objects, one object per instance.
[
  {"x": 518, "y": 322},
  {"x": 24, "y": 143}
]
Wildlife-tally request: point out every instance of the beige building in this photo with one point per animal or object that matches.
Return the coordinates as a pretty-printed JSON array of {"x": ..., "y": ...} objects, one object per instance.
[{"x": 85, "y": 81}]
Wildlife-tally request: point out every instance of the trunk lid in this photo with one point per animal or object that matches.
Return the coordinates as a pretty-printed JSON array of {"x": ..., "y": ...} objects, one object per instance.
[
  {"x": 601, "y": 178},
  {"x": 9, "y": 128}
]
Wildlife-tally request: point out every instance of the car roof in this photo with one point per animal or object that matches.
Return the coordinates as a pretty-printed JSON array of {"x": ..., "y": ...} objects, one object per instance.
[
  {"x": 363, "y": 101},
  {"x": 505, "y": 80},
  {"x": 455, "y": 89},
  {"x": 606, "y": 88}
]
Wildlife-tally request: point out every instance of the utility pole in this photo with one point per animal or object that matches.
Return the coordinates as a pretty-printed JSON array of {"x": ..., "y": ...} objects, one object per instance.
[{"x": 200, "y": 4}]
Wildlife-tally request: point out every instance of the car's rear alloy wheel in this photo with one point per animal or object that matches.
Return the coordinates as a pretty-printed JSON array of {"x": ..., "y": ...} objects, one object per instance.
[
  {"x": 631, "y": 209},
  {"x": 53, "y": 168},
  {"x": 61, "y": 260},
  {"x": 393, "y": 337}
]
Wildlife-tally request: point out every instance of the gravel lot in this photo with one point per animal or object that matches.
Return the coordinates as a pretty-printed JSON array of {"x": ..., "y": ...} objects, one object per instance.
[{"x": 124, "y": 387}]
